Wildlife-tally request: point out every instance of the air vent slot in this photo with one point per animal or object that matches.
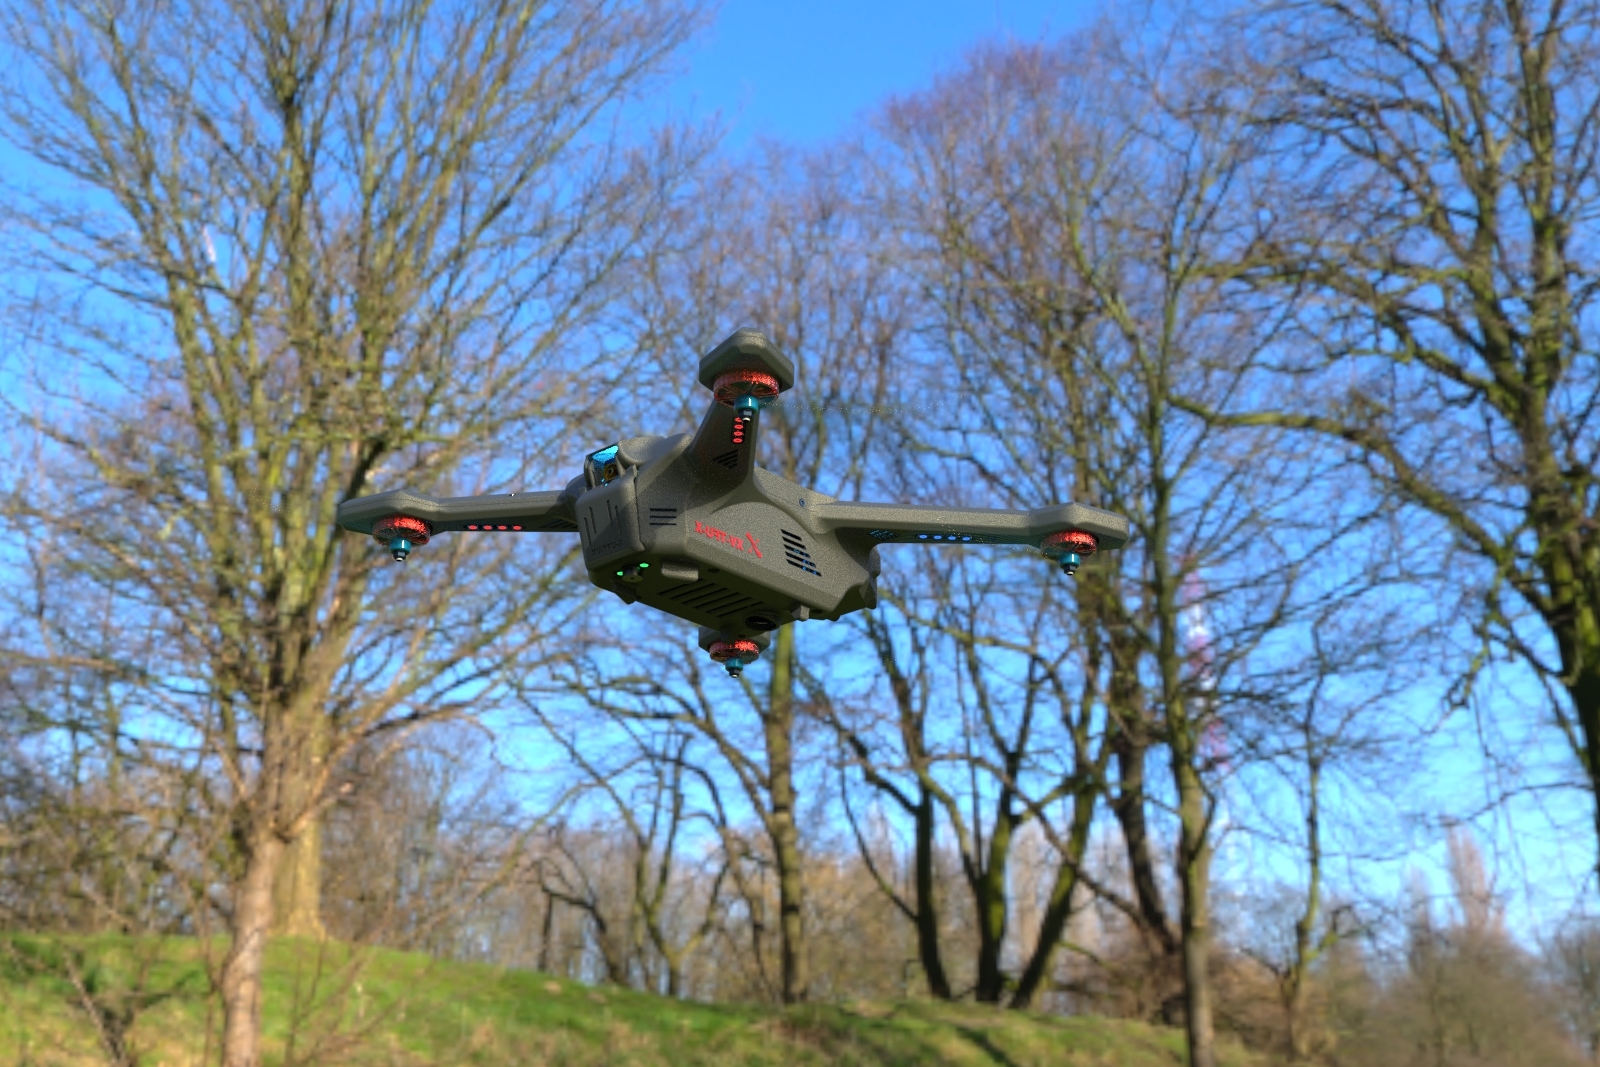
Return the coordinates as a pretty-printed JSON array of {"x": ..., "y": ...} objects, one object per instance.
[
  {"x": 711, "y": 598},
  {"x": 795, "y": 548},
  {"x": 729, "y": 460},
  {"x": 663, "y": 516}
]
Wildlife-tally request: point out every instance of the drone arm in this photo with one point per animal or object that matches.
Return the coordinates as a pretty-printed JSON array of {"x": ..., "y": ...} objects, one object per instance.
[
  {"x": 923, "y": 524},
  {"x": 744, "y": 373},
  {"x": 716, "y": 444},
  {"x": 543, "y": 512}
]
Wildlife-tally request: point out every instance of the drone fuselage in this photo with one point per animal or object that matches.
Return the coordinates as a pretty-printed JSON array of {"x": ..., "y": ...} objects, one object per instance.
[
  {"x": 690, "y": 525},
  {"x": 740, "y": 552}
]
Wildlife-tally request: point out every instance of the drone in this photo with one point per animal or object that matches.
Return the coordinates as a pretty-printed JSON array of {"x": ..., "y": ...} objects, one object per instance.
[{"x": 690, "y": 525}]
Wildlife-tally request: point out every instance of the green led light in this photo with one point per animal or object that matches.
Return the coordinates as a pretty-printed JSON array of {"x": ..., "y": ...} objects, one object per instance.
[
  {"x": 619, "y": 574},
  {"x": 643, "y": 565}
]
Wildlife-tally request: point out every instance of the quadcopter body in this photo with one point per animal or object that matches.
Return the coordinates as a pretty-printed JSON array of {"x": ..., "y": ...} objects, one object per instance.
[{"x": 690, "y": 525}]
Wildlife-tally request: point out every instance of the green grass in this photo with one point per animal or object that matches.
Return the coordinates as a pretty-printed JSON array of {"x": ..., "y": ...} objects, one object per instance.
[{"x": 391, "y": 1008}]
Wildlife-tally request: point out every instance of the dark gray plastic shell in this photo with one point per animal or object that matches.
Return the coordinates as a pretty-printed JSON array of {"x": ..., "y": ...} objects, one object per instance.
[{"x": 698, "y": 531}]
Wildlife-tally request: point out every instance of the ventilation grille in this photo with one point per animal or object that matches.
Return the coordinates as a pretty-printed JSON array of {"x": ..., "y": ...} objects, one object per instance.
[
  {"x": 663, "y": 516},
  {"x": 727, "y": 459},
  {"x": 711, "y": 598},
  {"x": 795, "y": 549}
]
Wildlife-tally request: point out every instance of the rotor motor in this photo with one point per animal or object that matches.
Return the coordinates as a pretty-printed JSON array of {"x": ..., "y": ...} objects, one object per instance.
[
  {"x": 747, "y": 392},
  {"x": 400, "y": 534},
  {"x": 1070, "y": 548},
  {"x": 735, "y": 655}
]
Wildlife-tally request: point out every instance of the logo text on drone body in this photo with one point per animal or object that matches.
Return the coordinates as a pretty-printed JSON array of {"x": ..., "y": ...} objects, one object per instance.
[{"x": 747, "y": 543}]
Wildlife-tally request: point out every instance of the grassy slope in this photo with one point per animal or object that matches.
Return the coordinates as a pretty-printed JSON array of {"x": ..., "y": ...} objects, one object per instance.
[{"x": 407, "y": 1009}]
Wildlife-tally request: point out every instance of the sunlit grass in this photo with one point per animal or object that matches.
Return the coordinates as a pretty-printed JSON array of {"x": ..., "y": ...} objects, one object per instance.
[{"x": 332, "y": 1004}]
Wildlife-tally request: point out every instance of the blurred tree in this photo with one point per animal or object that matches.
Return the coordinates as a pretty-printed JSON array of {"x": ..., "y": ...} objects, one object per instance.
[
  {"x": 1325, "y": 716},
  {"x": 1572, "y": 962},
  {"x": 984, "y": 731},
  {"x": 661, "y": 909},
  {"x": 1464, "y": 994}
]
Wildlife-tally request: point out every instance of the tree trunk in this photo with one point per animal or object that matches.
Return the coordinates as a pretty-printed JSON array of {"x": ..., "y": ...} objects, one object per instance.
[
  {"x": 1306, "y": 946},
  {"x": 989, "y": 891},
  {"x": 240, "y": 982},
  {"x": 297, "y": 892},
  {"x": 927, "y": 906},
  {"x": 1128, "y": 807},
  {"x": 1580, "y": 661},
  {"x": 547, "y": 930},
  {"x": 1059, "y": 910},
  {"x": 778, "y": 726},
  {"x": 306, "y": 731},
  {"x": 1299, "y": 1030},
  {"x": 674, "y": 979},
  {"x": 1194, "y": 871}
]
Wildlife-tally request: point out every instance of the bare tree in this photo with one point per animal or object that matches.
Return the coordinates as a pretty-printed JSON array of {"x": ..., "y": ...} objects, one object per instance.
[
  {"x": 647, "y": 784},
  {"x": 911, "y": 685},
  {"x": 773, "y": 247},
  {"x": 1071, "y": 216},
  {"x": 991, "y": 746},
  {"x": 1435, "y": 161},
  {"x": 1572, "y": 961},
  {"x": 1318, "y": 726},
  {"x": 291, "y": 249},
  {"x": 1464, "y": 993}
]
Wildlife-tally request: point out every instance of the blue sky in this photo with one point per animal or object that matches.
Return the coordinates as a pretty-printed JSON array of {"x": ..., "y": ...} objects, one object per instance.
[{"x": 803, "y": 72}]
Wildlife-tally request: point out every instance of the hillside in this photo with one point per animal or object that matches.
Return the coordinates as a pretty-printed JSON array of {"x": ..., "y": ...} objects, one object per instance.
[{"x": 400, "y": 1008}]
